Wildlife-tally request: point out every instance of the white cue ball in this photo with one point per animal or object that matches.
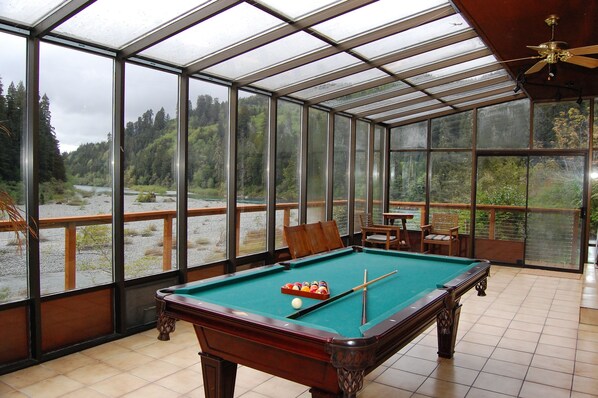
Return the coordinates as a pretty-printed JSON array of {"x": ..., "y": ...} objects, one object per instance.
[{"x": 296, "y": 303}]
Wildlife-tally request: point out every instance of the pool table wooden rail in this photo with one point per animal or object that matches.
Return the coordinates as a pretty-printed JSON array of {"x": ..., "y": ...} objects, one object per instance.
[{"x": 333, "y": 365}]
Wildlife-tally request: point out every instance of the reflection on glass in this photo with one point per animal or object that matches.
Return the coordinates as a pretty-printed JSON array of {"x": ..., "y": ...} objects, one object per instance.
[
  {"x": 316, "y": 165},
  {"x": 340, "y": 177},
  {"x": 207, "y": 172},
  {"x": 361, "y": 167},
  {"x": 252, "y": 164},
  {"x": 13, "y": 272},
  {"x": 340, "y": 84},
  {"x": 562, "y": 125},
  {"x": 409, "y": 136},
  {"x": 452, "y": 131},
  {"x": 454, "y": 69},
  {"x": 150, "y": 152},
  {"x": 288, "y": 142},
  {"x": 504, "y": 125},
  {"x": 450, "y": 182},
  {"x": 407, "y": 185}
]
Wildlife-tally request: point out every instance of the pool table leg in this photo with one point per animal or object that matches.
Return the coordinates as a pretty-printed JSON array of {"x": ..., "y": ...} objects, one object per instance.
[
  {"x": 447, "y": 323},
  {"x": 218, "y": 376}
]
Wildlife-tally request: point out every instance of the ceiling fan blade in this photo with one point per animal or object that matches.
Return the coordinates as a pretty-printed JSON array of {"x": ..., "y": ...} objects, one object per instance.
[
  {"x": 588, "y": 62},
  {"x": 519, "y": 59},
  {"x": 539, "y": 48},
  {"x": 584, "y": 50},
  {"x": 537, "y": 67}
]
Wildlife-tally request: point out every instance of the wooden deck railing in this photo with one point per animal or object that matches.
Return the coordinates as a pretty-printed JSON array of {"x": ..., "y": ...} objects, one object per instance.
[{"x": 70, "y": 224}]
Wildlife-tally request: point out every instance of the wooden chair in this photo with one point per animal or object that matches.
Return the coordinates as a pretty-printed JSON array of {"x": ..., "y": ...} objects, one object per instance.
[
  {"x": 333, "y": 237},
  {"x": 378, "y": 235},
  {"x": 316, "y": 238},
  {"x": 296, "y": 238},
  {"x": 443, "y": 231}
]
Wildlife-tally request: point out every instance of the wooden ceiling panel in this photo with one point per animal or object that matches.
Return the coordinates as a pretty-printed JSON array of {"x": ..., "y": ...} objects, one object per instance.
[{"x": 507, "y": 26}]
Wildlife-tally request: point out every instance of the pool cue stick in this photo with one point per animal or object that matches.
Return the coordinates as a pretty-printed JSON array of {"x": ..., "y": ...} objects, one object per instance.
[
  {"x": 307, "y": 310},
  {"x": 364, "y": 299}
]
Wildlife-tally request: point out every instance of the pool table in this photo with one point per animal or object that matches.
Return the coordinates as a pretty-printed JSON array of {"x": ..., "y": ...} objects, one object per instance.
[{"x": 244, "y": 318}]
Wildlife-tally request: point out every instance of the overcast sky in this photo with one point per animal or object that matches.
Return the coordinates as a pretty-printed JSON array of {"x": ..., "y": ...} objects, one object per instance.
[{"x": 79, "y": 86}]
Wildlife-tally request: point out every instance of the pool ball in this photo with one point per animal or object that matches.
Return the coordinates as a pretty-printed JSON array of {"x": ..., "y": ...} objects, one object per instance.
[{"x": 296, "y": 303}]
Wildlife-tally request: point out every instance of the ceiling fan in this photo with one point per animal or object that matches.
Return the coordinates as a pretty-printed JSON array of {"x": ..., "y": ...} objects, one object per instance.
[{"x": 554, "y": 51}]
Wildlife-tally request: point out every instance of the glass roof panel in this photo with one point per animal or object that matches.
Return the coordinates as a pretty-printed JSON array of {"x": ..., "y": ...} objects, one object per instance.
[
  {"x": 401, "y": 109},
  {"x": 313, "y": 69},
  {"x": 395, "y": 100},
  {"x": 284, "y": 49},
  {"x": 299, "y": 9},
  {"x": 232, "y": 26},
  {"x": 482, "y": 101},
  {"x": 370, "y": 92},
  {"x": 339, "y": 84},
  {"x": 451, "y": 70},
  {"x": 372, "y": 16},
  {"x": 478, "y": 91},
  {"x": 432, "y": 56},
  {"x": 414, "y": 37},
  {"x": 418, "y": 115},
  {"x": 28, "y": 12},
  {"x": 468, "y": 81},
  {"x": 116, "y": 23}
]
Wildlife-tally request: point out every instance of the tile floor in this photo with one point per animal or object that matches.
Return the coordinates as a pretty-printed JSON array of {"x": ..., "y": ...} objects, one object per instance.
[{"x": 522, "y": 340}]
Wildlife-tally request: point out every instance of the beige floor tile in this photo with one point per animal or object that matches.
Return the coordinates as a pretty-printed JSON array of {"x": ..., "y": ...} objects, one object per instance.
[
  {"x": 585, "y": 384},
  {"x": 464, "y": 360},
  {"x": 540, "y": 320},
  {"x": 70, "y": 362},
  {"x": 468, "y": 347},
  {"x": 558, "y": 341},
  {"x": 498, "y": 322},
  {"x": 518, "y": 357},
  {"x": 575, "y": 394},
  {"x": 277, "y": 387},
  {"x": 529, "y": 327},
  {"x": 85, "y": 392},
  {"x": 27, "y": 376},
  {"x": 482, "y": 338},
  {"x": 118, "y": 385},
  {"x": 551, "y": 363},
  {"x": 588, "y": 336},
  {"x": 497, "y": 383},
  {"x": 587, "y": 345},
  {"x": 586, "y": 370},
  {"x": 160, "y": 349},
  {"x": 127, "y": 361},
  {"x": 563, "y": 323},
  {"x": 556, "y": 351},
  {"x": 517, "y": 345},
  {"x": 479, "y": 393},
  {"x": 250, "y": 378},
  {"x": 92, "y": 374},
  {"x": 549, "y": 377},
  {"x": 183, "y": 358},
  {"x": 154, "y": 370},
  {"x": 105, "y": 351},
  {"x": 182, "y": 381},
  {"x": 136, "y": 341},
  {"x": 522, "y": 335},
  {"x": 415, "y": 365},
  {"x": 587, "y": 357},
  {"x": 533, "y": 390},
  {"x": 377, "y": 390},
  {"x": 401, "y": 379},
  {"x": 455, "y": 374},
  {"x": 442, "y": 389},
  {"x": 570, "y": 316},
  {"x": 424, "y": 352},
  {"x": 152, "y": 391},
  {"x": 53, "y": 387},
  {"x": 503, "y": 368},
  {"x": 560, "y": 331}
]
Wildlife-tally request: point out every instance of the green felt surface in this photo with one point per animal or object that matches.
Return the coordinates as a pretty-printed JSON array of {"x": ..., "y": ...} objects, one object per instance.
[{"x": 259, "y": 291}]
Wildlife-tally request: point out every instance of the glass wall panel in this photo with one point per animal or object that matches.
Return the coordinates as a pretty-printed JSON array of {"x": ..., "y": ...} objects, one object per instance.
[
  {"x": 252, "y": 166},
  {"x": 554, "y": 223},
  {"x": 150, "y": 153},
  {"x": 377, "y": 174},
  {"x": 562, "y": 125},
  {"x": 316, "y": 165},
  {"x": 13, "y": 272},
  {"x": 450, "y": 186},
  {"x": 504, "y": 125},
  {"x": 407, "y": 180},
  {"x": 75, "y": 135},
  {"x": 207, "y": 172},
  {"x": 288, "y": 142},
  {"x": 361, "y": 168},
  {"x": 453, "y": 131},
  {"x": 340, "y": 177},
  {"x": 594, "y": 178},
  {"x": 411, "y": 136}
]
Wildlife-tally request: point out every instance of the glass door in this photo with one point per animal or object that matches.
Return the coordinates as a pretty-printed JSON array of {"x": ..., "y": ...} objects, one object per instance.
[
  {"x": 529, "y": 210},
  {"x": 500, "y": 208},
  {"x": 555, "y": 213}
]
